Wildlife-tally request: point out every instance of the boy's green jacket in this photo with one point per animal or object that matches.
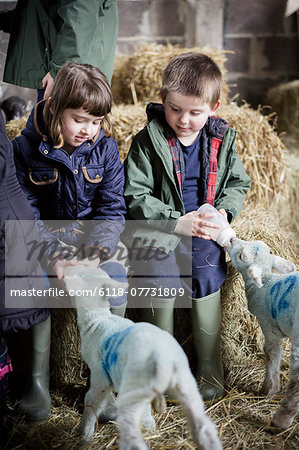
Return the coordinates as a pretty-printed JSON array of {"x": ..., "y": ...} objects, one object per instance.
[
  {"x": 152, "y": 193},
  {"x": 47, "y": 33}
]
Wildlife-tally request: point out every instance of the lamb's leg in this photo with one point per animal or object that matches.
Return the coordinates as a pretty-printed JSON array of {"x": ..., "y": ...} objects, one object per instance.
[
  {"x": 203, "y": 430},
  {"x": 289, "y": 407},
  {"x": 109, "y": 411},
  {"x": 94, "y": 402},
  {"x": 128, "y": 421},
  {"x": 272, "y": 350},
  {"x": 148, "y": 421}
]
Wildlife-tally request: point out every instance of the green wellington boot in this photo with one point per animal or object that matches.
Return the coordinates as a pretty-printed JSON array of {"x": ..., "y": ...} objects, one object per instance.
[
  {"x": 206, "y": 323},
  {"x": 36, "y": 402},
  {"x": 159, "y": 312}
]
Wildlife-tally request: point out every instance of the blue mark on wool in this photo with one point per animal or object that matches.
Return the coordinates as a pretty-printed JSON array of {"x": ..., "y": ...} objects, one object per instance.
[
  {"x": 111, "y": 350},
  {"x": 280, "y": 294}
]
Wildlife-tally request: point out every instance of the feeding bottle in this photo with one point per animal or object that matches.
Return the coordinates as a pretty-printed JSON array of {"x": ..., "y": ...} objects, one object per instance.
[{"x": 221, "y": 235}]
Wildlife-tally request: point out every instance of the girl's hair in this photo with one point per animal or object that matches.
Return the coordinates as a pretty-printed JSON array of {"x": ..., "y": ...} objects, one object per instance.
[
  {"x": 78, "y": 86},
  {"x": 193, "y": 74}
]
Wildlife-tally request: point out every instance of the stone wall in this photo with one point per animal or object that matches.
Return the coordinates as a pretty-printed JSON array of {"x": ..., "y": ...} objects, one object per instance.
[
  {"x": 265, "y": 46},
  {"x": 264, "y": 42}
]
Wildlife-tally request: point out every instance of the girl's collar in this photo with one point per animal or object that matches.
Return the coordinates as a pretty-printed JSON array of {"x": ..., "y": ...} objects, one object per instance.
[
  {"x": 38, "y": 120},
  {"x": 95, "y": 138}
]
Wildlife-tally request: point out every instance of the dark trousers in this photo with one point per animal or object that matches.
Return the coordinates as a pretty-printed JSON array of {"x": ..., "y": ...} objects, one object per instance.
[{"x": 196, "y": 268}]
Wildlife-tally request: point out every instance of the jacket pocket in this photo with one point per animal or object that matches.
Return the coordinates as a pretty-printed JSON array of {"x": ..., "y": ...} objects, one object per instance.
[
  {"x": 93, "y": 174},
  {"x": 43, "y": 176}
]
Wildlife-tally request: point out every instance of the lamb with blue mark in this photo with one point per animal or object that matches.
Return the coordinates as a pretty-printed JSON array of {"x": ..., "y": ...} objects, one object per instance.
[
  {"x": 273, "y": 298},
  {"x": 139, "y": 361}
]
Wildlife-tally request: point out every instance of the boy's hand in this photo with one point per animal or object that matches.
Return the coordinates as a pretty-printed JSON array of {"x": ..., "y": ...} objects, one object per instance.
[
  {"x": 192, "y": 224},
  {"x": 223, "y": 212}
]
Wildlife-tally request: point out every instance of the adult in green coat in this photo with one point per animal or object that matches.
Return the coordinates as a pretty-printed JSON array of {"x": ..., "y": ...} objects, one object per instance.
[{"x": 45, "y": 34}]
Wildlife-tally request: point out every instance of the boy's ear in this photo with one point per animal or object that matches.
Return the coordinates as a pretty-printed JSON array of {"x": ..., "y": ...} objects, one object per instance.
[{"x": 216, "y": 107}]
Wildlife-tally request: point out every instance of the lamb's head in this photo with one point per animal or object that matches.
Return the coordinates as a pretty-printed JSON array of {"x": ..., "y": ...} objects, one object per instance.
[
  {"x": 91, "y": 287},
  {"x": 254, "y": 260}
]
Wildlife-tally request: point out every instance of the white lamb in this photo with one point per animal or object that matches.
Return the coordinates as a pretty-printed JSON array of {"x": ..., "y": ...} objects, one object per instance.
[
  {"x": 138, "y": 361},
  {"x": 273, "y": 298}
]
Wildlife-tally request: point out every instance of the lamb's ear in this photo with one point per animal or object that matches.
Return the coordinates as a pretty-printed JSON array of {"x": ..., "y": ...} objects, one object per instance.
[
  {"x": 282, "y": 265},
  {"x": 255, "y": 272}
]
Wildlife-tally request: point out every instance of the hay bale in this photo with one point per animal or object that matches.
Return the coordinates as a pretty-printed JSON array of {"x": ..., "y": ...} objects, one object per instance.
[
  {"x": 14, "y": 127},
  {"x": 138, "y": 77},
  {"x": 127, "y": 121},
  {"x": 284, "y": 100},
  {"x": 67, "y": 366},
  {"x": 288, "y": 210},
  {"x": 261, "y": 151}
]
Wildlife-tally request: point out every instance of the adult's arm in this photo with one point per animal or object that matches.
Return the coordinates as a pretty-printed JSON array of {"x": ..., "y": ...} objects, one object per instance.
[{"x": 79, "y": 19}]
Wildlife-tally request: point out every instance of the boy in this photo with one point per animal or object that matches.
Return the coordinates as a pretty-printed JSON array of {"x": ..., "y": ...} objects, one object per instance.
[{"x": 183, "y": 158}]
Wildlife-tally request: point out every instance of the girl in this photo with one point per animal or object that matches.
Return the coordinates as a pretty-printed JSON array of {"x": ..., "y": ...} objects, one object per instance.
[{"x": 69, "y": 168}]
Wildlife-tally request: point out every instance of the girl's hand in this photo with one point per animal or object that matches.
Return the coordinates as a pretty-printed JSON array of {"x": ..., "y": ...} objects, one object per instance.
[
  {"x": 192, "y": 224},
  {"x": 61, "y": 264}
]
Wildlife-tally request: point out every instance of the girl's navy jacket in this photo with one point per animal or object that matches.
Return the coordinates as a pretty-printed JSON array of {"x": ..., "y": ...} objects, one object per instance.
[{"x": 84, "y": 186}]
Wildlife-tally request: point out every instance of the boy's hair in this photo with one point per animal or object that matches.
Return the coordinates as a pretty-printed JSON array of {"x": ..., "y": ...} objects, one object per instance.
[
  {"x": 78, "y": 86},
  {"x": 193, "y": 74}
]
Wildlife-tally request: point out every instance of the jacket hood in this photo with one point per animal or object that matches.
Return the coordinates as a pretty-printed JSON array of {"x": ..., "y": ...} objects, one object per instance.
[
  {"x": 215, "y": 126},
  {"x": 36, "y": 128},
  {"x": 156, "y": 111}
]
